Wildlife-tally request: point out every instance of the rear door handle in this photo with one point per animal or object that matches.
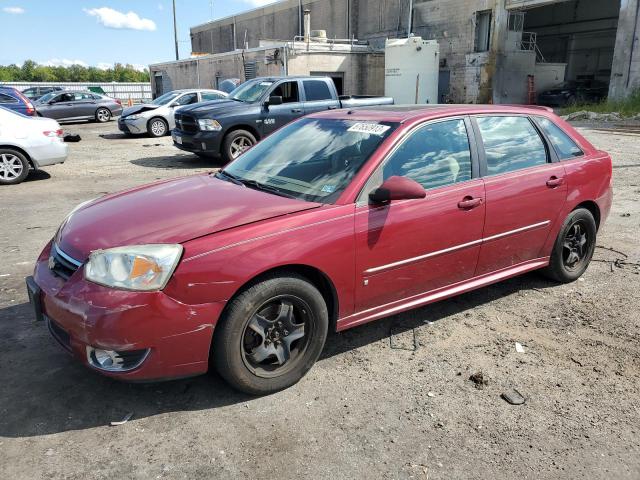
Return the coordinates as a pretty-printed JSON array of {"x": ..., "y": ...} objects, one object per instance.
[
  {"x": 468, "y": 202},
  {"x": 296, "y": 110},
  {"x": 555, "y": 182},
  {"x": 332, "y": 107}
]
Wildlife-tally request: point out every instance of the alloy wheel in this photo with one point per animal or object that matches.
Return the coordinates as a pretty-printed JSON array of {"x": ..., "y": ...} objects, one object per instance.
[
  {"x": 10, "y": 167},
  {"x": 275, "y": 337},
  {"x": 158, "y": 128},
  {"x": 239, "y": 145},
  {"x": 103, "y": 115},
  {"x": 575, "y": 246}
]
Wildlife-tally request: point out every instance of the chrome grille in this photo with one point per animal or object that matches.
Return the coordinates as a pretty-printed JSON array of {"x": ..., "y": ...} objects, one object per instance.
[{"x": 62, "y": 264}]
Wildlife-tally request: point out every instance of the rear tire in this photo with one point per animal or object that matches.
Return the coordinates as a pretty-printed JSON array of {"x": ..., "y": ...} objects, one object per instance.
[
  {"x": 103, "y": 115},
  {"x": 236, "y": 143},
  {"x": 14, "y": 166},
  {"x": 157, "y": 127},
  {"x": 574, "y": 247},
  {"x": 270, "y": 335}
]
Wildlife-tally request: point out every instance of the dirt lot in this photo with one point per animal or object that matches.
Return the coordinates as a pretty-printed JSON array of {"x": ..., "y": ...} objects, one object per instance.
[{"x": 373, "y": 406}]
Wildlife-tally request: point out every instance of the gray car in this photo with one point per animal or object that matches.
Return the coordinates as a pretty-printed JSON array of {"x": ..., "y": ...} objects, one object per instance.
[
  {"x": 68, "y": 106},
  {"x": 156, "y": 118}
]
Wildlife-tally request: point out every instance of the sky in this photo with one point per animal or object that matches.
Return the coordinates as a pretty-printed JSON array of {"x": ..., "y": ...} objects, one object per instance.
[{"x": 103, "y": 32}]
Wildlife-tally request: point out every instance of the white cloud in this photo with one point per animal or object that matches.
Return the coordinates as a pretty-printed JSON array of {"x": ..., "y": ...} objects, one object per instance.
[
  {"x": 106, "y": 66},
  {"x": 13, "y": 10},
  {"x": 111, "y": 18},
  {"x": 63, "y": 62}
]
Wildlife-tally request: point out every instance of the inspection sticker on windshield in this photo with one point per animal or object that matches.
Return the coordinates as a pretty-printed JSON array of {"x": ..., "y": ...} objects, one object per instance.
[
  {"x": 373, "y": 128},
  {"x": 328, "y": 189}
]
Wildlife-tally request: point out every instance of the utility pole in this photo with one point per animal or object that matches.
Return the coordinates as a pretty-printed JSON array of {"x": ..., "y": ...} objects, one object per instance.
[
  {"x": 175, "y": 30},
  {"x": 410, "y": 21}
]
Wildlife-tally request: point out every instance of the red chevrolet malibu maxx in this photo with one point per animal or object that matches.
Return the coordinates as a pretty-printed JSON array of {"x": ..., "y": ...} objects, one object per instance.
[{"x": 335, "y": 220}]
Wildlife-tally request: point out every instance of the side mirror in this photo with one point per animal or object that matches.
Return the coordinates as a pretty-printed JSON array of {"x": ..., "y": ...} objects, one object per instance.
[
  {"x": 397, "y": 188},
  {"x": 273, "y": 100}
]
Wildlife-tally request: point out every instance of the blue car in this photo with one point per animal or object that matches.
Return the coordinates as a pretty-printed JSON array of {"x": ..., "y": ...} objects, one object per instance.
[{"x": 13, "y": 99}]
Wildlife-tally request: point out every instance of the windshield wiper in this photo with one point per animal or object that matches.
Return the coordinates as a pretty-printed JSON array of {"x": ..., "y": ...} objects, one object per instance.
[
  {"x": 222, "y": 175},
  {"x": 266, "y": 188}
]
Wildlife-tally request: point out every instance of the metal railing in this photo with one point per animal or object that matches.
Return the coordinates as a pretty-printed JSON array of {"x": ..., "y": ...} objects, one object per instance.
[{"x": 529, "y": 42}]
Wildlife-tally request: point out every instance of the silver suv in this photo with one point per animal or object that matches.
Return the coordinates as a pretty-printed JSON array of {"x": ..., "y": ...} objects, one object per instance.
[{"x": 156, "y": 118}]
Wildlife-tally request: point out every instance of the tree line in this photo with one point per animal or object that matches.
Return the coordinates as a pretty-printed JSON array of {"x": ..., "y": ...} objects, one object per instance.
[{"x": 31, "y": 71}]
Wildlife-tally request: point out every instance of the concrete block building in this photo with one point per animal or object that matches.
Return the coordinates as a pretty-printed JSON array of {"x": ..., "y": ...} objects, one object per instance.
[{"x": 497, "y": 51}]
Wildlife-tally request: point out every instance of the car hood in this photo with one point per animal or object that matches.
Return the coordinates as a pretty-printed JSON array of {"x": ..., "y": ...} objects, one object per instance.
[
  {"x": 144, "y": 107},
  {"x": 214, "y": 108},
  {"x": 172, "y": 211}
]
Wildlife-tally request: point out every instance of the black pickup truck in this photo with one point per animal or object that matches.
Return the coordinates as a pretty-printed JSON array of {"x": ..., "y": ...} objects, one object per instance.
[{"x": 255, "y": 109}]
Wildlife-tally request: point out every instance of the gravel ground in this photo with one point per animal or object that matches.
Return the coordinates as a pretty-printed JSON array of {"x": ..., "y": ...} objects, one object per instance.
[{"x": 391, "y": 399}]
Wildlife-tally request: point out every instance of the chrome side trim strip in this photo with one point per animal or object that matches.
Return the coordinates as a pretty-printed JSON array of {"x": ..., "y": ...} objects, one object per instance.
[
  {"x": 67, "y": 257},
  {"x": 455, "y": 248},
  {"x": 517, "y": 230},
  {"x": 423, "y": 257}
]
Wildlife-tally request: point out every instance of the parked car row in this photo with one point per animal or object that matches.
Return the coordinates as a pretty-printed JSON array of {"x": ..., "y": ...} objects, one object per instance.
[
  {"x": 157, "y": 117},
  {"x": 62, "y": 105}
]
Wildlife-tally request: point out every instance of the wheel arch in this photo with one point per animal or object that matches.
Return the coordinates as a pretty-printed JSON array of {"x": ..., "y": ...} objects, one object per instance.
[
  {"x": 313, "y": 275},
  {"x": 157, "y": 117},
  {"x": 102, "y": 107},
  {"x": 22, "y": 151},
  {"x": 593, "y": 208},
  {"x": 249, "y": 128}
]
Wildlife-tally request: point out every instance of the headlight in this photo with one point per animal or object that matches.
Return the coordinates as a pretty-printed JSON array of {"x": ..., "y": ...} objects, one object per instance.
[
  {"x": 132, "y": 117},
  {"x": 210, "y": 125},
  {"x": 138, "y": 267}
]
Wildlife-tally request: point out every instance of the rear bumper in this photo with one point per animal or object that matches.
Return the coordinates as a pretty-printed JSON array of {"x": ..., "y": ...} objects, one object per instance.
[
  {"x": 200, "y": 142},
  {"x": 174, "y": 337},
  {"x": 49, "y": 154}
]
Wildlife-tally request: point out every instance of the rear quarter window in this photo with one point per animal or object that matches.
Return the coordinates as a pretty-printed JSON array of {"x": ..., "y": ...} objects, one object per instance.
[
  {"x": 510, "y": 144},
  {"x": 562, "y": 143}
]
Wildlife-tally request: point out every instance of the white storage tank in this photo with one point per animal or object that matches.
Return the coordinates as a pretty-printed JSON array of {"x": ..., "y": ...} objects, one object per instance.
[{"x": 411, "y": 67}]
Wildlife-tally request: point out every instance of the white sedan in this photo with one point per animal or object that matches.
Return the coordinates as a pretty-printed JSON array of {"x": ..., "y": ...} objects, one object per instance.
[{"x": 28, "y": 143}]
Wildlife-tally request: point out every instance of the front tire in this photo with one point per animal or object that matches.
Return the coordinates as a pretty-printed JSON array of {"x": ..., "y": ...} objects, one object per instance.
[
  {"x": 14, "y": 166},
  {"x": 157, "y": 127},
  {"x": 103, "y": 115},
  {"x": 574, "y": 247},
  {"x": 236, "y": 143},
  {"x": 271, "y": 334}
]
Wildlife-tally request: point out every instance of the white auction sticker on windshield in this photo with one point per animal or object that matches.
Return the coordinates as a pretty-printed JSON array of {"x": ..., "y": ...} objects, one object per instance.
[{"x": 373, "y": 128}]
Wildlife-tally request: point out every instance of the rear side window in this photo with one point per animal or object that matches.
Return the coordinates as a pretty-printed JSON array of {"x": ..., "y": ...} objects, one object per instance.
[
  {"x": 7, "y": 99},
  {"x": 562, "y": 143},
  {"x": 316, "y": 90},
  {"x": 435, "y": 155},
  {"x": 511, "y": 143}
]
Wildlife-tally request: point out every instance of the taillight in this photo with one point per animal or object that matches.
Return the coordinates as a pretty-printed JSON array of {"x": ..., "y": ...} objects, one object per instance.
[
  {"x": 30, "y": 108},
  {"x": 53, "y": 133},
  {"x": 118, "y": 102}
]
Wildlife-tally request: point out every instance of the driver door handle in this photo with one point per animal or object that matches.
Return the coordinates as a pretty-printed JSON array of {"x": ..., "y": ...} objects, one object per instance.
[
  {"x": 468, "y": 202},
  {"x": 296, "y": 110},
  {"x": 555, "y": 182}
]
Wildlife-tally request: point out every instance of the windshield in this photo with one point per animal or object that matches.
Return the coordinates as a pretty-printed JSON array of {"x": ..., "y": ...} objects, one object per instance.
[
  {"x": 166, "y": 98},
  {"x": 311, "y": 159},
  {"x": 251, "y": 91}
]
